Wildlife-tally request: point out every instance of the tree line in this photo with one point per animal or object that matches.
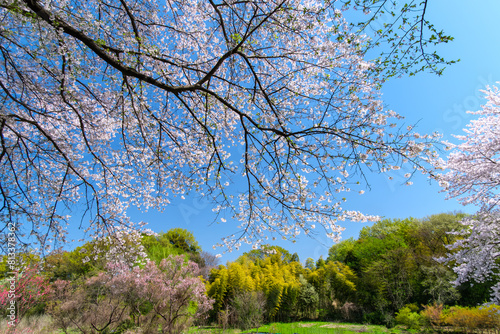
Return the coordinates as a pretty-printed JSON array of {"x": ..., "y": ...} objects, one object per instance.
[
  {"x": 395, "y": 267},
  {"x": 394, "y": 263}
]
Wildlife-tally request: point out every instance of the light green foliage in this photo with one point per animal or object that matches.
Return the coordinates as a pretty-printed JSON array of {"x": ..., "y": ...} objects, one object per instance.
[
  {"x": 395, "y": 263},
  {"x": 159, "y": 247},
  {"x": 310, "y": 264},
  {"x": 388, "y": 227},
  {"x": 409, "y": 319},
  {"x": 23, "y": 259},
  {"x": 276, "y": 253},
  {"x": 217, "y": 288},
  {"x": 342, "y": 281},
  {"x": 182, "y": 239},
  {"x": 387, "y": 270},
  {"x": 342, "y": 251},
  {"x": 432, "y": 234},
  {"x": 320, "y": 263},
  {"x": 308, "y": 299},
  {"x": 177, "y": 241},
  {"x": 319, "y": 281},
  {"x": 82, "y": 261}
]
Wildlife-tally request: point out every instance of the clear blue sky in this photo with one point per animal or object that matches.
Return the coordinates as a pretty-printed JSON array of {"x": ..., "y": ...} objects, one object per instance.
[{"x": 436, "y": 103}]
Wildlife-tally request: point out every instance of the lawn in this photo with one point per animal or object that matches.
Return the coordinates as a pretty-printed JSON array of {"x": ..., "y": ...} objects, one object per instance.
[
  {"x": 305, "y": 328},
  {"x": 42, "y": 325}
]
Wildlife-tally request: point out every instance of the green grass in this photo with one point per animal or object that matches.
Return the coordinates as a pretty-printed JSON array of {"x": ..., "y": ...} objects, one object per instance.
[
  {"x": 304, "y": 327},
  {"x": 322, "y": 328},
  {"x": 43, "y": 325}
]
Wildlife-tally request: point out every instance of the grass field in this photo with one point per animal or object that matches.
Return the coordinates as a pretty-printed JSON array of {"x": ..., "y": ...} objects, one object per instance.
[
  {"x": 305, "y": 328},
  {"x": 322, "y": 328},
  {"x": 42, "y": 325}
]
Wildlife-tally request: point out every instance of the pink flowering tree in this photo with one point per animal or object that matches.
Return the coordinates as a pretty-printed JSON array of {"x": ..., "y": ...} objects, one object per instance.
[
  {"x": 169, "y": 296},
  {"x": 474, "y": 177},
  {"x": 176, "y": 293},
  {"x": 267, "y": 108}
]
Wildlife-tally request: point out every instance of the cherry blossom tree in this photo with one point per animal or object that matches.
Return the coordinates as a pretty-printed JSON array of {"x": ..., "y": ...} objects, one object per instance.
[
  {"x": 267, "y": 108},
  {"x": 474, "y": 178},
  {"x": 176, "y": 292},
  {"x": 169, "y": 296}
]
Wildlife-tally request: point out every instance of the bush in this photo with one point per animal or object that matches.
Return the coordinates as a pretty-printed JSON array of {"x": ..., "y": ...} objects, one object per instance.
[
  {"x": 409, "y": 319},
  {"x": 468, "y": 319},
  {"x": 473, "y": 318},
  {"x": 432, "y": 315},
  {"x": 490, "y": 316},
  {"x": 462, "y": 317}
]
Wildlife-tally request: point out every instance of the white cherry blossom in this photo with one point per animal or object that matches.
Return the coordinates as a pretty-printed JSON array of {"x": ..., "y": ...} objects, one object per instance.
[
  {"x": 111, "y": 104},
  {"x": 474, "y": 178}
]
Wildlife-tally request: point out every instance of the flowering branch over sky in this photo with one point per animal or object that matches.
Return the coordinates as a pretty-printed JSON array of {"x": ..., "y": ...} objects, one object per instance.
[{"x": 267, "y": 108}]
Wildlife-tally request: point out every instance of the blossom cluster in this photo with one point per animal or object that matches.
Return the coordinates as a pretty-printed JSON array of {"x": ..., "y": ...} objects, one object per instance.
[
  {"x": 267, "y": 108},
  {"x": 473, "y": 176}
]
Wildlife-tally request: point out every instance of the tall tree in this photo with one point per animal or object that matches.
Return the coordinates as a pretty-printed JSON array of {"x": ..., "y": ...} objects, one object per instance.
[
  {"x": 473, "y": 177},
  {"x": 109, "y": 104}
]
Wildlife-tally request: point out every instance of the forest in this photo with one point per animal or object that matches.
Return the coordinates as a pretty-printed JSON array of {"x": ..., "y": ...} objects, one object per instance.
[{"x": 395, "y": 273}]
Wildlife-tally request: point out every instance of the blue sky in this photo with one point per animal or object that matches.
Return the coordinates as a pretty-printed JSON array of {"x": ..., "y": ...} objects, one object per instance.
[{"x": 435, "y": 103}]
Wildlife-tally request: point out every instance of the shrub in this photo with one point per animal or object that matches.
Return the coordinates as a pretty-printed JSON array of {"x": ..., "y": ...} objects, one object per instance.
[
  {"x": 462, "y": 317},
  {"x": 409, "y": 319},
  {"x": 432, "y": 315},
  {"x": 473, "y": 318},
  {"x": 490, "y": 316}
]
